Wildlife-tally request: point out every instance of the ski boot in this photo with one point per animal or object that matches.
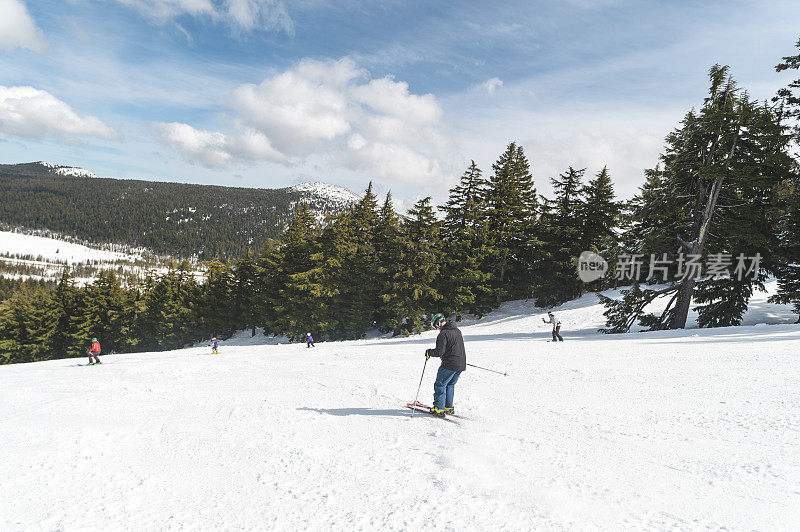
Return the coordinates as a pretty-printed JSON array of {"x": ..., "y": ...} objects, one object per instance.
[
  {"x": 449, "y": 411},
  {"x": 438, "y": 412}
]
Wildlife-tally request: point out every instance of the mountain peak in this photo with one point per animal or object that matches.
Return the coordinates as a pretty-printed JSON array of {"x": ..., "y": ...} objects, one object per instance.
[
  {"x": 319, "y": 189},
  {"x": 67, "y": 171}
]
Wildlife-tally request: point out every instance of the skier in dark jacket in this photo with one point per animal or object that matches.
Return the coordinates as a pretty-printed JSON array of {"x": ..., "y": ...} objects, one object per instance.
[{"x": 450, "y": 348}]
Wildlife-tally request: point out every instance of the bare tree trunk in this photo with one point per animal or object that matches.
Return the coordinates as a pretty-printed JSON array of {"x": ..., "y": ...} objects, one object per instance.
[{"x": 683, "y": 304}]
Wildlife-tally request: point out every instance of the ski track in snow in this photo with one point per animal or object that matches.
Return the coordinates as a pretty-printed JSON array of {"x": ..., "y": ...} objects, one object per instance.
[{"x": 676, "y": 430}]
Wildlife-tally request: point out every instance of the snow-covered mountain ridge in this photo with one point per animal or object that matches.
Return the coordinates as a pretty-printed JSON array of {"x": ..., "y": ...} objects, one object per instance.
[
  {"x": 67, "y": 171},
  {"x": 325, "y": 198},
  {"x": 178, "y": 219},
  {"x": 322, "y": 190}
]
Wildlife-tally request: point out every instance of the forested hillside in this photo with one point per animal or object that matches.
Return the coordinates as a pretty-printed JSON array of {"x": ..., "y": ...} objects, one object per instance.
[{"x": 167, "y": 218}]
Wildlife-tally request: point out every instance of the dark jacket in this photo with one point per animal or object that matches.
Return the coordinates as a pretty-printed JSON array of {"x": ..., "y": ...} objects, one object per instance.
[{"x": 450, "y": 348}]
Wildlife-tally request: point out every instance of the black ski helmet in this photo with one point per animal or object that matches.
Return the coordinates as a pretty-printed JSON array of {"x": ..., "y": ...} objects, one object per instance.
[{"x": 438, "y": 320}]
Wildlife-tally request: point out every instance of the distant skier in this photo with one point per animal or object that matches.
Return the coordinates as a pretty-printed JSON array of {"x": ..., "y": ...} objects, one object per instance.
[
  {"x": 556, "y": 326},
  {"x": 94, "y": 351},
  {"x": 214, "y": 346},
  {"x": 309, "y": 340},
  {"x": 450, "y": 348}
]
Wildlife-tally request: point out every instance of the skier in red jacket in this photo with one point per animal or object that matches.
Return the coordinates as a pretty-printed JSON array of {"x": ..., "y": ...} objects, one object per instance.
[{"x": 94, "y": 351}]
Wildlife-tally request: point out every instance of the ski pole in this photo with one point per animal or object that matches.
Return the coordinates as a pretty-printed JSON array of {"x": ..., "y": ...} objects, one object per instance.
[
  {"x": 487, "y": 369},
  {"x": 420, "y": 384}
]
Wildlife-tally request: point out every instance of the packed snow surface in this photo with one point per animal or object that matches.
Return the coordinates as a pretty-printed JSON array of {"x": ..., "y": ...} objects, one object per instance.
[{"x": 675, "y": 430}]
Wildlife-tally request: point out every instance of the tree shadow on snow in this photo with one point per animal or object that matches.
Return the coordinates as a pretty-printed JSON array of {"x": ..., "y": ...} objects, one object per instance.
[{"x": 359, "y": 411}]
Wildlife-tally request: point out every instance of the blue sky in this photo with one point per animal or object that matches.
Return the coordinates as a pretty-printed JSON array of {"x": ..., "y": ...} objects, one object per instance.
[{"x": 268, "y": 93}]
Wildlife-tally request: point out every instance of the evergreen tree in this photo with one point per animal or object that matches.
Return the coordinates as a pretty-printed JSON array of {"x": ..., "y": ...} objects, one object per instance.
[
  {"x": 169, "y": 315},
  {"x": 561, "y": 228},
  {"x": 715, "y": 191},
  {"x": 789, "y": 96},
  {"x": 511, "y": 210},
  {"x": 64, "y": 308},
  {"x": 244, "y": 293},
  {"x": 24, "y": 327},
  {"x": 297, "y": 279},
  {"x": 352, "y": 268},
  {"x": 102, "y": 315},
  {"x": 216, "y": 303},
  {"x": 388, "y": 248},
  {"x": 466, "y": 247},
  {"x": 788, "y": 269},
  {"x": 599, "y": 214},
  {"x": 412, "y": 292}
]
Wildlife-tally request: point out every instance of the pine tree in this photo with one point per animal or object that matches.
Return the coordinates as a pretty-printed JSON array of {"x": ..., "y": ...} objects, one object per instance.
[
  {"x": 511, "y": 216},
  {"x": 467, "y": 285},
  {"x": 63, "y": 310},
  {"x": 388, "y": 249},
  {"x": 713, "y": 194},
  {"x": 168, "y": 319},
  {"x": 561, "y": 228},
  {"x": 789, "y": 96},
  {"x": 352, "y": 268},
  {"x": 244, "y": 294},
  {"x": 599, "y": 214},
  {"x": 788, "y": 269},
  {"x": 298, "y": 279},
  {"x": 216, "y": 305},
  {"x": 412, "y": 292},
  {"x": 24, "y": 327},
  {"x": 102, "y": 315}
]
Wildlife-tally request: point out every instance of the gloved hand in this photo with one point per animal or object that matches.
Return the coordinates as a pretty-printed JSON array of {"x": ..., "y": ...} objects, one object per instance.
[{"x": 427, "y": 354}]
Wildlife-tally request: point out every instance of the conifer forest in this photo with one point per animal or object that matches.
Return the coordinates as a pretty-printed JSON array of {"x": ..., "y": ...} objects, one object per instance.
[{"x": 725, "y": 186}]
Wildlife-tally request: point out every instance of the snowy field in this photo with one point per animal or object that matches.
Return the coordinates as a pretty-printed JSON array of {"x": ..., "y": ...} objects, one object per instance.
[
  {"x": 45, "y": 258},
  {"x": 56, "y": 250},
  {"x": 696, "y": 429}
]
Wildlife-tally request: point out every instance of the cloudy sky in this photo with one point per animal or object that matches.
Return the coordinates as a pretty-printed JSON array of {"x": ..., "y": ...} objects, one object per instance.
[{"x": 268, "y": 93}]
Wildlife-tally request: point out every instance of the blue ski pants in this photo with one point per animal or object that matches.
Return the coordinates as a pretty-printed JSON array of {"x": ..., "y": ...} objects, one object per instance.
[{"x": 444, "y": 387}]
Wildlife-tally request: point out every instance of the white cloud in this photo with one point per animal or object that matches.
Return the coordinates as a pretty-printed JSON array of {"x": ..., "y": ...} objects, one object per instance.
[
  {"x": 213, "y": 149},
  {"x": 33, "y": 113},
  {"x": 17, "y": 28},
  {"x": 243, "y": 15},
  {"x": 300, "y": 109},
  {"x": 206, "y": 147},
  {"x": 491, "y": 85},
  {"x": 331, "y": 110}
]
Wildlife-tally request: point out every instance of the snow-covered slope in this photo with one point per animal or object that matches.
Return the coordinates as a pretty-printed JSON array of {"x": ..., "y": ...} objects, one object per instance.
[
  {"x": 677, "y": 430},
  {"x": 327, "y": 199},
  {"x": 69, "y": 171},
  {"x": 324, "y": 191},
  {"x": 55, "y": 250},
  {"x": 26, "y": 256}
]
